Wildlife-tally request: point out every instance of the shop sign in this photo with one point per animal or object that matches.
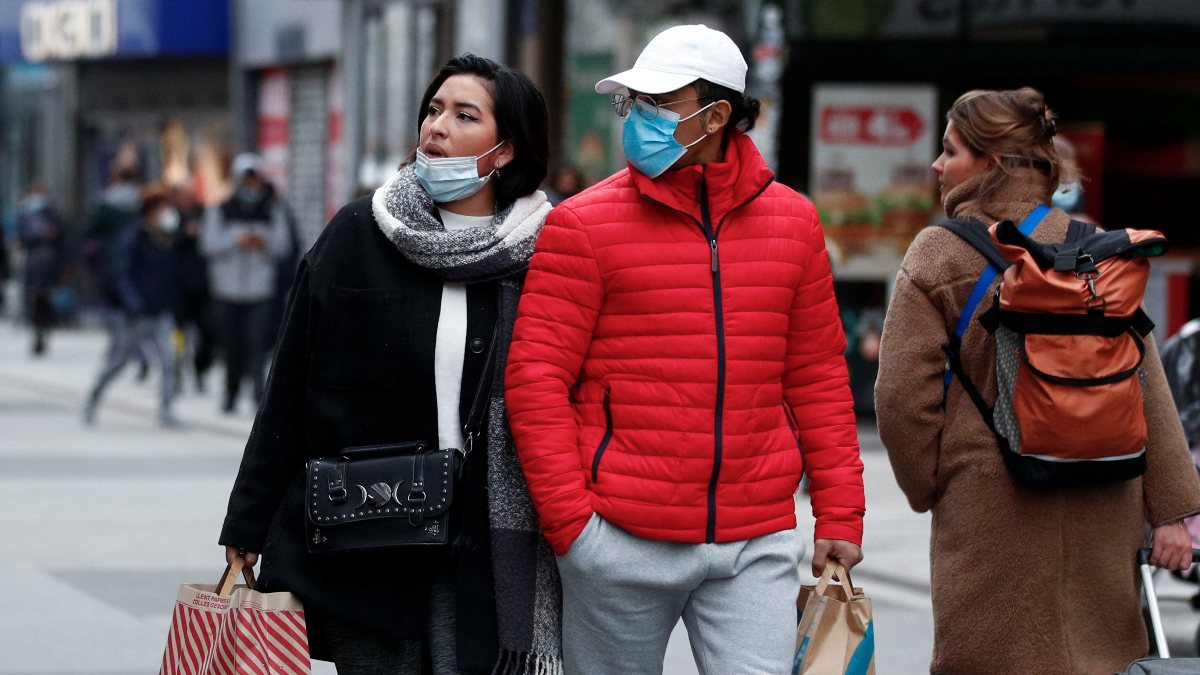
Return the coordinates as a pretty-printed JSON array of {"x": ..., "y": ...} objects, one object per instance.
[
  {"x": 866, "y": 19},
  {"x": 68, "y": 29},
  {"x": 870, "y": 125},
  {"x": 872, "y": 146}
]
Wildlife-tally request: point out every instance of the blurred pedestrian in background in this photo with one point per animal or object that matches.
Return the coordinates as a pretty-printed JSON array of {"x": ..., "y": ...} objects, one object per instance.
[
  {"x": 678, "y": 342},
  {"x": 565, "y": 182},
  {"x": 399, "y": 319},
  {"x": 108, "y": 223},
  {"x": 145, "y": 269},
  {"x": 43, "y": 236},
  {"x": 1069, "y": 195},
  {"x": 244, "y": 240},
  {"x": 194, "y": 313},
  {"x": 1181, "y": 362},
  {"x": 1024, "y": 580}
]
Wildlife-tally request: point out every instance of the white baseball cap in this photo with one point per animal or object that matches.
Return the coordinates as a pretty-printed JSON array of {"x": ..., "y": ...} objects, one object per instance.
[
  {"x": 245, "y": 163},
  {"x": 679, "y": 56}
]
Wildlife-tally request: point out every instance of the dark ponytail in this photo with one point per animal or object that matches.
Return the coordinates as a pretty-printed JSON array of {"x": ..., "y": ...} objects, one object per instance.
[{"x": 743, "y": 109}]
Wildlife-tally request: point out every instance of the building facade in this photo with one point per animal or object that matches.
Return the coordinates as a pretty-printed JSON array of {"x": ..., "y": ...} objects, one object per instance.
[{"x": 90, "y": 85}]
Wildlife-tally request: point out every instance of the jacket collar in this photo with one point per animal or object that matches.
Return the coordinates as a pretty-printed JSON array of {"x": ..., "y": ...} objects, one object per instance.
[
  {"x": 1024, "y": 189},
  {"x": 736, "y": 179}
]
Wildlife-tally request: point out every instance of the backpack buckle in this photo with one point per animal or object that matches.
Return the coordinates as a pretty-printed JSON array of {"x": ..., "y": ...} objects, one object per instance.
[
  {"x": 1085, "y": 264},
  {"x": 1095, "y": 302}
]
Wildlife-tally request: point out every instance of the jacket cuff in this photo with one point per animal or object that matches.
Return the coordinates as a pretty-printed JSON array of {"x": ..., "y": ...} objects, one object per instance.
[
  {"x": 564, "y": 536},
  {"x": 241, "y": 537},
  {"x": 839, "y": 531},
  {"x": 1174, "y": 518}
]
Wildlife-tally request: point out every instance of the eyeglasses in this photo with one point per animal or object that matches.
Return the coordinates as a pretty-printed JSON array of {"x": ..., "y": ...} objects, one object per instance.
[{"x": 647, "y": 107}]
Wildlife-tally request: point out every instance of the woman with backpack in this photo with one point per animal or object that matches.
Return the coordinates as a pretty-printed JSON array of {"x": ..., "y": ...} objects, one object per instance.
[
  {"x": 1024, "y": 579},
  {"x": 415, "y": 541}
]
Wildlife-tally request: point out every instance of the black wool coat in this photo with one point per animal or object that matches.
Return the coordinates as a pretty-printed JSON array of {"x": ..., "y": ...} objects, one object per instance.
[{"x": 354, "y": 366}]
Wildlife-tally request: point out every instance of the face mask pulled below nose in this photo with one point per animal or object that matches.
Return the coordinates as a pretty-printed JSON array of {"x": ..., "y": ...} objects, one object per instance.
[
  {"x": 649, "y": 141},
  {"x": 449, "y": 179}
]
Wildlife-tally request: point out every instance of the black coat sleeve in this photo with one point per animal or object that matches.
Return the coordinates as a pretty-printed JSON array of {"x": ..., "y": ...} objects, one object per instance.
[{"x": 275, "y": 453}]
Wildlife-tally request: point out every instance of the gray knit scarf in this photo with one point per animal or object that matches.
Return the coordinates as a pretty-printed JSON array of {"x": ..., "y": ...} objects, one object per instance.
[
  {"x": 409, "y": 218},
  {"x": 528, "y": 594}
]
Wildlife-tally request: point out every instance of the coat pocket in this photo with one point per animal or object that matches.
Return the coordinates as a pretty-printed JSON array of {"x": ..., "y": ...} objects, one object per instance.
[
  {"x": 358, "y": 339},
  {"x": 608, "y": 432}
]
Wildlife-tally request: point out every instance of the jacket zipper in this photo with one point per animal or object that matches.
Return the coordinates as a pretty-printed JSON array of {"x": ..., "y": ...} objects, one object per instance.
[
  {"x": 608, "y": 432},
  {"x": 710, "y": 234},
  {"x": 719, "y": 307}
]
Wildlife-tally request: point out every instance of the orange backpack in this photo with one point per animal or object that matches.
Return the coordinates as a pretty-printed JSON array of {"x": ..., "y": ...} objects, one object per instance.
[{"x": 1069, "y": 333}]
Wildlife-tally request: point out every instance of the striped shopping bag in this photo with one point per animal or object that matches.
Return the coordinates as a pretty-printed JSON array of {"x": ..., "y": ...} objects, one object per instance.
[{"x": 226, "y": 630}]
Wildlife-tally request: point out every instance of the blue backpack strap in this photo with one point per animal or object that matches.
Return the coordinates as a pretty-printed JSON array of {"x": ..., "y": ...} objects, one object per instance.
[{"x": 996, "y": 265}]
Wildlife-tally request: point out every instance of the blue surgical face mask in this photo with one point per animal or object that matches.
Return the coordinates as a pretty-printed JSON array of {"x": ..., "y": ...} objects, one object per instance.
[
  {"x": 649, "y": 141},
  {"x": 250, "y": 195},
  {"x": 1068, "y": 196},
  {"x": 449, "y": 179}
]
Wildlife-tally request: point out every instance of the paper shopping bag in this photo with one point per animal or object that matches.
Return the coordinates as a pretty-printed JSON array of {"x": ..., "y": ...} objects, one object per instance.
[
  {"x": 835, "y": 635},
  {"x": 226, "y": 630}
]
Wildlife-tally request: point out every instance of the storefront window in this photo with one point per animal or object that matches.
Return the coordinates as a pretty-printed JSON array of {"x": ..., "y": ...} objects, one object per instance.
[{"x": 402, "y": 47}]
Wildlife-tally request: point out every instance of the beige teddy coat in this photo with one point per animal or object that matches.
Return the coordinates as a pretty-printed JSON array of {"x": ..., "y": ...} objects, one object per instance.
[{"x": 1023, "y": 581}]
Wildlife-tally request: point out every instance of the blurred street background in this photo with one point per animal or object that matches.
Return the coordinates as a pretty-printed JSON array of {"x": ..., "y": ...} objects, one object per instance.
[{"x": 102, "y": 522}]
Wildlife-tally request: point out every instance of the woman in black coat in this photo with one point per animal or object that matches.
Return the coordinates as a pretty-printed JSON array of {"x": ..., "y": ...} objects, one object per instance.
[{"x": 398, "y": 323}]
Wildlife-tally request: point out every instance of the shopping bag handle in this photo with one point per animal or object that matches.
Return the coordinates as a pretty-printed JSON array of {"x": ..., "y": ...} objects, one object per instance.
[
  {"x": 833, "y": 569},
  {"x": 229, "y": 578}
]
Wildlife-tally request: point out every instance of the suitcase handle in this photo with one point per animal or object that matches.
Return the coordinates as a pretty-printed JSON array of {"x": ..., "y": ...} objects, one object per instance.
[
  {"x": 1156, "y": 623},
  {"x": 1143, "y": 555}
]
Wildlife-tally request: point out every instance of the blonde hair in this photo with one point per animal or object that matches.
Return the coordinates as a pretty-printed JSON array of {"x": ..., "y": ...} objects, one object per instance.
[{"x": 1017, "y": 128}]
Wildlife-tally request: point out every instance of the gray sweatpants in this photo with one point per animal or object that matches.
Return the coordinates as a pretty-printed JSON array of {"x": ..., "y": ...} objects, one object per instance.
[{"x": 623, "y": 595}]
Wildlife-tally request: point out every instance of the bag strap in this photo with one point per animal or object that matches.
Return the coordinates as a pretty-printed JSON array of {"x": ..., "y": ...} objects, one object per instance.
[
  {"x": 975, "y": 233},
  {"x": 479, "y": 405},
  {"x": 978, "y": 237},
  {"x": 229, "y": 578},
  {"x": 1078, "y": 231}
]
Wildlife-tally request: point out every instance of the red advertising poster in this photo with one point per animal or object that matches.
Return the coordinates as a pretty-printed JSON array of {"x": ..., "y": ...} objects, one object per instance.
[
  {"x": 335, "y": 150},
  {"x": 274, "y": 109}
]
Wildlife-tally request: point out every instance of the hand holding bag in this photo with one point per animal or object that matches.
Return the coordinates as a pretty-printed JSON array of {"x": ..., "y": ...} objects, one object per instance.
[
  {"x": 396, "y": 495},
  {"x": 836, "y": 634},
  {"x": 222, "y": 630}
]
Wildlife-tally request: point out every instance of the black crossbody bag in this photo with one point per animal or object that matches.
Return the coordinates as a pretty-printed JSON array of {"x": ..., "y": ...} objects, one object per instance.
[{"x": 396, "y": 495}]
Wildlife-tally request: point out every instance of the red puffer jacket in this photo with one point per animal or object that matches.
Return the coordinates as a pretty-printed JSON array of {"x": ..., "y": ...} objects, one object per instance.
[{"x": 677, "y": 352}]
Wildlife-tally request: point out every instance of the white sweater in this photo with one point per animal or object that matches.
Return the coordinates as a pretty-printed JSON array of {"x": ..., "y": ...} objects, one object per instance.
[{"x": 451, "y": 344}]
